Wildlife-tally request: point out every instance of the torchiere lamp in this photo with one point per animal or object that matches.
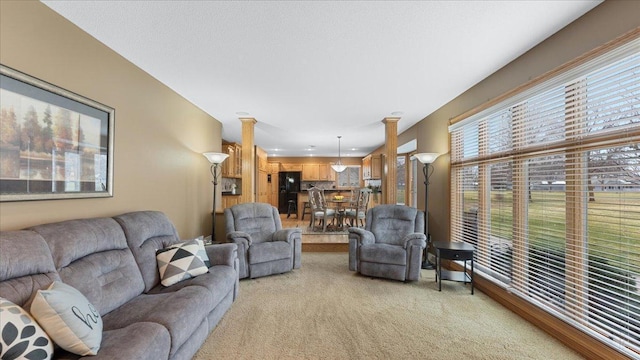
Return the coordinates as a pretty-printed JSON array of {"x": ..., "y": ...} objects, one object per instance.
[
  {"x": 427, "y": 159},
  {"x": 215, "y": 159}
]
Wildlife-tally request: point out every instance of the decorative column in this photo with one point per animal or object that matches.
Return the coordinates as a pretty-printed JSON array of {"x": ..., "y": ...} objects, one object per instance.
[
  {"x": 390, "y": 163},
  {"x": 248, "y": 160}
]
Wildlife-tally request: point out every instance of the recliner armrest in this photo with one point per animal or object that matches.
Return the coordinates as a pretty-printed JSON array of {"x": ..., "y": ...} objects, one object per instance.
[
  {"x": 364, "y": 237},
  {"x": 415, "y": 239},
  {"x": 239, "y": 237},
  {"x": 288, "y": 235},
  {"x": 222, "y": 254}
]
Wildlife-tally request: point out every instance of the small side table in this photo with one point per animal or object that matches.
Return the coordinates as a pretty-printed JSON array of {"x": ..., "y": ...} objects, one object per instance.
[{"x": 453, "y": 251}]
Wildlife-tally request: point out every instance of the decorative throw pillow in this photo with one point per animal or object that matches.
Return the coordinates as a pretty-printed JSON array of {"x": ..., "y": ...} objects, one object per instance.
[
  {"x": 69, "y": 319},
  {"x": 180, "y": 262},
  {"x": 202, "y": 253},
  {"x": 21, "y": 336}
]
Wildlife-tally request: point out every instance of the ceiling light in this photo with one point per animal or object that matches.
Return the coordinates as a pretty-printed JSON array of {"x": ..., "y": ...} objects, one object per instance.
[
  {"x": 397, "y": 113},
  {"x": 338, "y": 167},
  {"x": 242, "y": 113}
]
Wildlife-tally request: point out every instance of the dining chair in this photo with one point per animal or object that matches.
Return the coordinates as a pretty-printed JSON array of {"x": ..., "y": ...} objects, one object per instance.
[
  {"x": 358, "y": 212},
  {"x": 319, "y": 209}
]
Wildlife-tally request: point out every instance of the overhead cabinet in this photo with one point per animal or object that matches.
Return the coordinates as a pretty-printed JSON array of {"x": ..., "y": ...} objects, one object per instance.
[
  {"x": 372, "y": 167},
  {"x": 317, "y": 172},
  {"x": 232, "y": 167}
]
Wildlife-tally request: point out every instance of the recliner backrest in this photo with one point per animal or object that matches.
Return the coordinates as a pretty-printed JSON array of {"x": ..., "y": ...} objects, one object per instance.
[
  {"x": 92, "y": 255},
  {"x": 146, "y": 233},
  {"x": 26, "y": 266},
  {"x": 391, "y": 223},
  {"x": 259, "y": 220}
]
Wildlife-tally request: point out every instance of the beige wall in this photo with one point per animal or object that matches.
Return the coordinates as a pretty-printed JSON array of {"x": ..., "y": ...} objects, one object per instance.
[
  {"x": 605, "y": 22},
  {"x": 158, "y": 134}
]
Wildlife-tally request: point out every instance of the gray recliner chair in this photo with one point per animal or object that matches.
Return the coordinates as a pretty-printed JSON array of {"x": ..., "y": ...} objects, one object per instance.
[
  {"x": 391, "y": 244},
  {"x": 264, "y": 247}
]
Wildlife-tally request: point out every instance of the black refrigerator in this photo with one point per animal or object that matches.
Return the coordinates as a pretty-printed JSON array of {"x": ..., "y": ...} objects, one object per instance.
[{"x": 289, "y": 185}]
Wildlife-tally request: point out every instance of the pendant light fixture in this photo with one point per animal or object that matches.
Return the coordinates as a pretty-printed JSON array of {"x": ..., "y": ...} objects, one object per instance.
[{"x": 338, "y": 167}]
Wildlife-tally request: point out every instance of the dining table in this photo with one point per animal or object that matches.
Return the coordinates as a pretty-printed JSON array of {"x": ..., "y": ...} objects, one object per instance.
[{"x": 340, "y": 209}]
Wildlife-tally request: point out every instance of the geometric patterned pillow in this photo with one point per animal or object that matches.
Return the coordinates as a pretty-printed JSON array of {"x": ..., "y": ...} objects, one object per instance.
[
  {"x": 21, "y": 337},
  {"x": 180, "y": 262},
  {"x": 202, "y": 253}
]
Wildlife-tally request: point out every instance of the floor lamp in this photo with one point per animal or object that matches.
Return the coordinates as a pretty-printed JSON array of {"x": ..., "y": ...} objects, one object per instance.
[
  {"x": 427, "y": 159},
  {"x": 215, "y": 159}
]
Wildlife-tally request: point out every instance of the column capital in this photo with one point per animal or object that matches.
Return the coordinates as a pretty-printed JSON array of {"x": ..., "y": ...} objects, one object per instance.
[
  {"x": 391, "y": 119},
  {"x": 248, "y": 120}
]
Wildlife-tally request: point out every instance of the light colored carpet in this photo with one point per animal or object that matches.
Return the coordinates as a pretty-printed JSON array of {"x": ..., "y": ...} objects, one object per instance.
[{"x": 325, "y": 311}]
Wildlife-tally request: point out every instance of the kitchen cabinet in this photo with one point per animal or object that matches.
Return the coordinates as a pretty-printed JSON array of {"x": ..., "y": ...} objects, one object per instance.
[
  {"x": 326, "y": 173},
  {"x": 372, "y": 167},
  {"x": 290, "y": 167},
  {"x": 273, "y": 169},
  {"x": 230, "y": 200},
  {"x": 262, "y": 173},
  {"x": 318, "y": 172},
  {"x": 232, "y": 166},
  {"x": 310, "y": 172}
]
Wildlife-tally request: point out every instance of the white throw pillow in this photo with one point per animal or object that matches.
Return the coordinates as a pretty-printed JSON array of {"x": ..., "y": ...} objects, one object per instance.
[
  {"x": 21, "y": 336},
  {"x": 69, "y": 319},
  {"x": 180, "y": 262}
]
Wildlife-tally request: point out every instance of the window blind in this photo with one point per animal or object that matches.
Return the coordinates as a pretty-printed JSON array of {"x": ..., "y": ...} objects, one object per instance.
[{"x": 546, "y": 186}]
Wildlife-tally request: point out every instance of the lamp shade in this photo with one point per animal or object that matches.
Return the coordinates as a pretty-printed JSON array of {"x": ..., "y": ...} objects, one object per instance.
[
  {"x": 338, "y": 167},
  {"x": 215, "y": 158},
  {"x": 427, "y": 158}
]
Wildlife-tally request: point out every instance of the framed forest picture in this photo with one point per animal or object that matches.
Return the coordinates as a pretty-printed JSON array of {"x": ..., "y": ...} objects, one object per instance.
[{"x": 54, "y": 144}]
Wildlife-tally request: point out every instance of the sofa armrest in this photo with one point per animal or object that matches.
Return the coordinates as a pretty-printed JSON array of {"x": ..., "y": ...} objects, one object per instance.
[
  {"x": 288, "y": 235},
  {"x": 239, "y": 237},
  {"x": 417, "y": 239},
  {"x": 362, "y": 236},
  {"x": 222, "y": 254}
]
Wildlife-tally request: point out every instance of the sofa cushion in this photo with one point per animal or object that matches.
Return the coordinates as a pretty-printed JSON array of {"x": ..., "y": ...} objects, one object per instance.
[
  {"x": 180, "y": 262},
  {"x": 26, "y": 266},
  {"x": 69, "y": 318},
  {"x": 383, "y": 254},
  {"x": 21, "y": 336},
  {"x": 142, "y": 340},
  {"x": 146, "y": 232},
  {"x": 92, "y": 256},
  {"x": 181, "y": 312},
  {"x": 269, "y": 251},
  {"x": 220, "y": 280}
]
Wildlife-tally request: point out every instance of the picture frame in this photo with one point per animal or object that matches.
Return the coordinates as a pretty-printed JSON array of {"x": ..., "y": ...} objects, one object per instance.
[{"x": 54, "y": 143}]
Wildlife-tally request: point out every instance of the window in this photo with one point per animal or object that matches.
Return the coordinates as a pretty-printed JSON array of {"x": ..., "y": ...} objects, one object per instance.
[
  {"x": 350, "y": 177},
  {"x": 401, "y": 185},
  {"x": 546, "y": 186}
]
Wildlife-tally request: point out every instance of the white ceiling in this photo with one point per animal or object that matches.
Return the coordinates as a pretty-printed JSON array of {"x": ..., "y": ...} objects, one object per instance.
[{"x": 309, "y": 71}]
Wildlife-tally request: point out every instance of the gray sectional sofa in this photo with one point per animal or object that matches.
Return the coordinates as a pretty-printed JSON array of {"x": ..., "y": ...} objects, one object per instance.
[{"x": 112, "y": 262}]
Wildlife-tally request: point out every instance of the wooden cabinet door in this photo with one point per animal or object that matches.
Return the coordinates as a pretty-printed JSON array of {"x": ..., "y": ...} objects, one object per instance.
[
  {"x": 376, "y": 167},
  {"x": 324, "y": 172},
  {"x": 310, "y": 172},
  {"x": 229, "y": 201},
  {"x": 238, "y": 160},
  {"x": 263, "y": 187},
  {"x": 366, "y": 167},
  {"x": 290, "y": 167},
  {"x": 228, "y": 166},
  {"x": 273, "y": 190}
]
